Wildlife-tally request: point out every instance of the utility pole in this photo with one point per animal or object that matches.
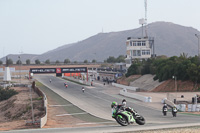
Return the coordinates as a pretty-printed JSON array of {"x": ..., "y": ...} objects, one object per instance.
[
  {"x": 175, "y": 84},
  {"x": 145, "y": 5},
  {"x": 198, "y": 36},
  {"x": 20, "y": 62}
]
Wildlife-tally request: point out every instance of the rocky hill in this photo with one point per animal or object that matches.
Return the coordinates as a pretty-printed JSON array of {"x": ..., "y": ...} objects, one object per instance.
[{"x": 170, "y": 39}]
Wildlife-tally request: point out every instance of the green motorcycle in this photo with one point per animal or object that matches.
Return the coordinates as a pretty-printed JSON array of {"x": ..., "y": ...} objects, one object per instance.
[{"x": 128, "y": 116}]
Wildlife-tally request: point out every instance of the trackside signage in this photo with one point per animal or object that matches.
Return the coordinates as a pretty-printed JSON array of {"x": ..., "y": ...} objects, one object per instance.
[
  {"x": 74, "y": 70},
  {"x": 42, "y": 70},
  {"x": 59, "y": 70}
]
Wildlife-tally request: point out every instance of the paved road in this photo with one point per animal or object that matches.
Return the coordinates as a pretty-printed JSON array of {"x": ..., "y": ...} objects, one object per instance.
[{"x": 97, "y": 103}]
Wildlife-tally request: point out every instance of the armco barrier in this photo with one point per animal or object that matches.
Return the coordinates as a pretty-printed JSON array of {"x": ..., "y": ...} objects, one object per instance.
[
  {"x": 136, "y": 96},
  {"x": 124, "y": 86}
]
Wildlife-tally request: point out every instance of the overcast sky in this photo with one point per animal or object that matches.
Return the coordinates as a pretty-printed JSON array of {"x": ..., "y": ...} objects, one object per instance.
[{"x": 37, "y": 26}]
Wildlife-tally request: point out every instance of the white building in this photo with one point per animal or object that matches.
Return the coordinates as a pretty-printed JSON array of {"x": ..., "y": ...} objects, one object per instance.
[{"x": 139, "y": 48}]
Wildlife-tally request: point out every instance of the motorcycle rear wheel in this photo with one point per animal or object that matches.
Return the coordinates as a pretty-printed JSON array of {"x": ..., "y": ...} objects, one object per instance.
[
  {"x": 122, "y": 120},
  {"x": 164, "y": 113}
]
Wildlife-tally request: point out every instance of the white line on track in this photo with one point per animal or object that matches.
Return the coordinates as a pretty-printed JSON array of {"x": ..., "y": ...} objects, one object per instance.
[
  {"x": 61, "y": 105},
  {"x": 94, "y": 123},
  {"x": 73, "y": 114}
]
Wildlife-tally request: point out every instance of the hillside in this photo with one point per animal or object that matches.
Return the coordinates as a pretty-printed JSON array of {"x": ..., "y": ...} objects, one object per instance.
[
  {"x": 146, "y": 83},
  {"x": 170, "y": 39}
]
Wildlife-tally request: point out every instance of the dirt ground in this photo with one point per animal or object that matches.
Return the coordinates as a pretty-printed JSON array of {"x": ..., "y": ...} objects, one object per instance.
[
  {"x": 54, "y": 121},
  {"x": 16, "y": 111}
]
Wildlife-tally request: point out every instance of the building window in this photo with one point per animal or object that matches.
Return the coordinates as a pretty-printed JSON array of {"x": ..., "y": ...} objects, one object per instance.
[
  {"x": 145, "y": 52},
  {"x": 136, "y": 52},
  {"x": 143, "y": 43},
  {"x": 134, "y": 43},
  {"x": 138, "y": 43},
  {"x": 130, "y": 44}
]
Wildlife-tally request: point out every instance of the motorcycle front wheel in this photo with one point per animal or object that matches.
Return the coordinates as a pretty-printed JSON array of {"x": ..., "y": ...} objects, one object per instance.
[{"x": 140, "y": 120}]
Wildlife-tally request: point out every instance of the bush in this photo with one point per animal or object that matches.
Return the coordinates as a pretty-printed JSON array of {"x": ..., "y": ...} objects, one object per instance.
[{"x": 6, "y": 93}]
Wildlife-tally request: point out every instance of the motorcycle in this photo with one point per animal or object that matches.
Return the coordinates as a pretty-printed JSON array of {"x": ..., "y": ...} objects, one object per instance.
[
  {"x": 174, "y": 111},
  {"x": 65, "y": 84},
  {"x": 128, "y": 116},
  {"x": 165, "y": 111}
]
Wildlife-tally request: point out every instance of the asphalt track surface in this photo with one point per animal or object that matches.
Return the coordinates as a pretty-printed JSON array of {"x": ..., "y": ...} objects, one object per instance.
[{"x": 97, "y": 103}]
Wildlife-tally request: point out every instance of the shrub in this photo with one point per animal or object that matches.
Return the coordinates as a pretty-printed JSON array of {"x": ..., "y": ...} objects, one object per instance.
[{"x": 6, "y": 93}]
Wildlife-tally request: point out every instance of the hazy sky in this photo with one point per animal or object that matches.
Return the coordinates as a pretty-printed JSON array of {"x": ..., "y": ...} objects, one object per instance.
[{"x": 37, "y": 26}]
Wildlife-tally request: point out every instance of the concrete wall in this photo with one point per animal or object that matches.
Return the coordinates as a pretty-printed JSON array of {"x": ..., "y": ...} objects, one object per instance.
[
  {"x": 43, "y": 120},
  {"x": 136, "y": 96},
  {"x": 169, "y": 103},
  {"x": 124, "y": 86}
]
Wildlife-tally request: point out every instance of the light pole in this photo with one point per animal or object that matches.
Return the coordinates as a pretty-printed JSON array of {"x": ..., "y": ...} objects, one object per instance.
[
  {"x": 94, "y": 75},
  {"x": 19, "y": 68},
  {"x": 198, "y": 36},
  {"x": 175, "y": 85}
]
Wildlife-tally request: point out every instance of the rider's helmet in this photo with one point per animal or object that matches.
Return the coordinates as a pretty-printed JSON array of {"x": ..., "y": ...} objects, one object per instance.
[
  {"x": 165, "y": 104},
  {"x": 124, "y": 100},
  {"x": 113, "y": 104}
]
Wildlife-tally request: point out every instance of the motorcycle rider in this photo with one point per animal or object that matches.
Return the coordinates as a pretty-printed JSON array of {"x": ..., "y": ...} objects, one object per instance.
[
  {"x": 174, "y": 111},
  {"x": 124, "y": 102},
  {"x": 165, "y": 109},
  {"x": 115, "y": 108},
  {"x": 83, "y": 89}
]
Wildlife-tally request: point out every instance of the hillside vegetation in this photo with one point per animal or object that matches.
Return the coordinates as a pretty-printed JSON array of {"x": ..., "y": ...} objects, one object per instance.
[{"x": 182, "y": 68}]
